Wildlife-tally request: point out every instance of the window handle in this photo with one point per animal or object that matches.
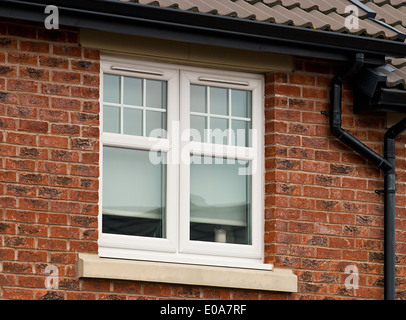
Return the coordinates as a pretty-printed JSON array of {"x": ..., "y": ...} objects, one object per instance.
[
  {"x": 155, "y": 73},
  {"x": 241, "y": 83}
]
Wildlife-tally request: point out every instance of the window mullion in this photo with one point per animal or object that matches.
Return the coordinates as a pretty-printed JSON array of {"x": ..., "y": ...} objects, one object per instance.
[
  {"x": 121, "y": 104},
  {"x": 229, "y": 117},
  {"x": 208, "y": 134},
  {"x": 144, "y": 104}
]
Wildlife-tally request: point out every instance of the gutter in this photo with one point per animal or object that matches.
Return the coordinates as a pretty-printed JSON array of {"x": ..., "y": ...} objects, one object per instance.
[
  {"x": 187, "y": 26},
  {"x": 385, "y": 163}
]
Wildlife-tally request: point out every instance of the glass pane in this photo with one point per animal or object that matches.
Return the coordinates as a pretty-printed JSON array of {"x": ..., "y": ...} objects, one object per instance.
[
  {"x": 133, "y": 193},
  {"x": 241, "y": 103},
  {"x": 198, "y": 98},
  {"x": 111, "y": 88},
  {"x": 132, "y": 121},
  {"x": 111, "y": 119},
  {"x": 220, "y": 200},
  {"x": 218, "y": 101},
  {"x": 132, "y": 91},
  {"x": 156, "y": 94},
  {"x": 197, "y": 128},
  {"x": 240, "y": 133},
  {"x": 156, "y": 120},
  {"x": 219, "y": 132}
]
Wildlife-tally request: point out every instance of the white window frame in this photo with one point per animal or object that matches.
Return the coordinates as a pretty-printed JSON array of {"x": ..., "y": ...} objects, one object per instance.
[{"x": 177, "y": 247}]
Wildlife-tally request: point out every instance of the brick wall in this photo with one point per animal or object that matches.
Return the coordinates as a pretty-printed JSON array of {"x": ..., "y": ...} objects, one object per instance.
[
  {"x": 49, "y": 157},
  {"x": 321, "y": 211}
]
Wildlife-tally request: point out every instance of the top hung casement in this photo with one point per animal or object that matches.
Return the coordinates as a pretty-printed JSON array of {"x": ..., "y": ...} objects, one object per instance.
[{"x": 181, "y": 164}]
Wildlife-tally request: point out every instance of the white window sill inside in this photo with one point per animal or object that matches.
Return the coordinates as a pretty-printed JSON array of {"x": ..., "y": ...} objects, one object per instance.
[{"x": 278, "y": 279}]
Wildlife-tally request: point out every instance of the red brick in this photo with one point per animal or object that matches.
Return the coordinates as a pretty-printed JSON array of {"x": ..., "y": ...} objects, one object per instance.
[
  {"x": 8, "y": 43},
  {"x": 34, "y": 46},
  {"x": 8, "y": 175},
  {"x": 91, "y": 54},
  {"x": 33, "y": 204},
  {"x": 22, "y": 58},
  {"x": 52, "y": 244},
  {"x": 316, "y": 93},
  {"x": 8, "y": 71},
  {"x": 85, "y": 65},
  {"x": 90, "y": 196},
  {"x": 7, "y": 150},
  {"x": 21, "y": 138},
  {"x": 70, "y": 51},
  {"x": 17, "y": 267},
  {"x": 34, "y": 73},
  {"x": 19, "y": 241},
  {"x": 25, "y": 191},
  {"x": 85, "y": 170},
  {"x": 52, "y": 193},
  {"x": 55, "y": 89},
  {"x": 287, "y": 90},
  {"x": 84, "y": 92},
  {"x": 35, "y": 126},
  {"x": 53, "y": 141},
  {"x": 302, "y": 79},
  {"x": 157, "y": 289},
  {"x": 54, "y": 115},
  {"x": 65, "y": 155},
  {"x": 21, "y": 112},
  {"x": 321, "y": 212},
  {"x": 18, "y": 293},
  {"x": 64, "y": 232},
  {"x": 64, "y": 103},
  {"x": 66, "y": 77},
  {"x": 22, "y": 85},
  {"x": 8, "y": 97}
]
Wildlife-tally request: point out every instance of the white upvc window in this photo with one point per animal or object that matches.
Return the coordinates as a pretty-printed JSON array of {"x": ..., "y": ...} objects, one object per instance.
[{"x": 182, "y": 159}]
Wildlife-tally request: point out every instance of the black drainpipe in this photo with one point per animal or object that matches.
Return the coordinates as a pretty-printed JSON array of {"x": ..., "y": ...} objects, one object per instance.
[{"x": 386, "y": 163}]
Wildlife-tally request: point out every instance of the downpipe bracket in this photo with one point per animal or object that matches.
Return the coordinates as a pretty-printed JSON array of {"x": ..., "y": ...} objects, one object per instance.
[{"x": 385, "y": 163}]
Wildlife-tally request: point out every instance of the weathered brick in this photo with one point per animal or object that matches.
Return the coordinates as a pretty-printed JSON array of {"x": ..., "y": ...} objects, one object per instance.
[
  {"x": 34, "y": 73},
  {"x": 22, "y": 58},
  {"x": 35, "y": 126},
  {"x": 321, "y": 213},
  {"x": 8, "y": 43},
  {"x": 22, "y": 85},
  {"x": 34, "y": 46}
]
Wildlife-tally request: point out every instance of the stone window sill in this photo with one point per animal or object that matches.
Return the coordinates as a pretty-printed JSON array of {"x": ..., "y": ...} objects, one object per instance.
[{"x": 92, "y": 266}]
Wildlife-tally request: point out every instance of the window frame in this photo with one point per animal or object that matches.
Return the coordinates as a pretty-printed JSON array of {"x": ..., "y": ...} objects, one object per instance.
[
  {"x": 111, "y": 242},
  {"x": 177, "y": 247},
  {"x": 227, "y": 80}
]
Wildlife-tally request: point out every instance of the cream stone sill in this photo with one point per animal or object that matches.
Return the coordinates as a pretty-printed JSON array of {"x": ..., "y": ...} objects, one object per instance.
[{"x": 92, "y": 266}]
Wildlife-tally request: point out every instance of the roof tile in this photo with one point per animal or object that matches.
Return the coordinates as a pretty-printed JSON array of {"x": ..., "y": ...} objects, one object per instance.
[{"x": 316, "y": 14}]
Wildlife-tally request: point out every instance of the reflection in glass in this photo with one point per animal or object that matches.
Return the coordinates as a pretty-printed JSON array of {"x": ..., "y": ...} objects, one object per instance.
[
  {"x": 111, "y": 88},
  {"x": 132, "y": 91},
  {"x": 156, "y": 94},
  {"x": 111, "y": 119},
  {"x": 220, "y": 200},
  {"x": 241, "y": 103},
  {"x": 219, "y": 132},
  {"x": 219, "y": 101},
  {"x": 156, "y": 120},
  {"x": 240, "y": 133},
  {"x": 132, "y": 121},
  {"x": 198, "y": 98},
  {"x": 198, "y": 125},
  {"x": 133, "y": 193}
]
